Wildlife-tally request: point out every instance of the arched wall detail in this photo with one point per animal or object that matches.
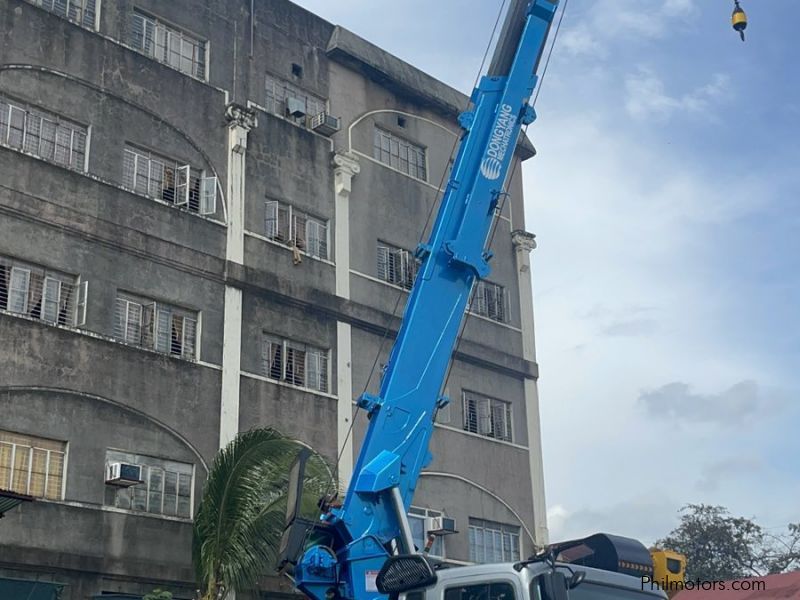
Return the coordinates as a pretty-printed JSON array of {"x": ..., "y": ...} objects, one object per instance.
[
  {"x": 139, "y": 107},
  {"x": 11, "y": 389},
  {"x": 485, "y": 491}
]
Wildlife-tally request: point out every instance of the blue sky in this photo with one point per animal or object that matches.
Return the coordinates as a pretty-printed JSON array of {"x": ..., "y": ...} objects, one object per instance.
[{"x": 666, "y": 202}]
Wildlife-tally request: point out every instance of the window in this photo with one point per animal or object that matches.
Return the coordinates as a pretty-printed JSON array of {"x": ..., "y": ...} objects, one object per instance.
[
  {"x": 80, "y": 11},
  {"x": 489, "y": 300},
  {"x": 295, "y": 363},
  {"x": 37, "y": 292},
  {"x": 155, "y": 325},
  {"x": 168, "y": 45},
  {"x": 498, "y": 590},
  {"x": 399, "y": 153},
  {"x": 416, "y": 520},
  {"x": 491, "y": 542},
  {"x": 42, "y": 134},
  {"x": 291, "y": 227},
  {"x": 397, "y": 266},
  {"x": 32, "y": 465},
  {"x": 487, "y": 416},
  {"x": 283, "y": 98},
  {"x": 166, "y": 487},
  {"x": 168, "y": 180}
]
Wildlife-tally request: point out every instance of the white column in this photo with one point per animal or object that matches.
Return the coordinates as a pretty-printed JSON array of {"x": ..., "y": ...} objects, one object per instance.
[
  {"x": 524, "y": 242},
  {"x": 345, "y": 167},
  {"x": 240, "y": 122}
]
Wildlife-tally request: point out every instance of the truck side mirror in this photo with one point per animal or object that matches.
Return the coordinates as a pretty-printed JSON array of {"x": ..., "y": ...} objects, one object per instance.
[
  {"x": 405, "y": 572},
  {"x": 576, "y": 579},
  {"x": 554, "y": 586}
]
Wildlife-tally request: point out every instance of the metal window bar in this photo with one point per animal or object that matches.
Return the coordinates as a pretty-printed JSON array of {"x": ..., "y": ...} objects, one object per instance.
[
  {"x": 493, "y": 542},
  {"x": 399, "y": 153},
  {"x": 317, "y": 369},
  {"x": 272, "y": 357},
  {"x": 277, "y": 91},
  {"x": 294, "y": 363},
  {"x": 397, "y": 266},
  {"x": 37, "y": 293},
  {"x": 27, "y": 468},
  {"x": 489, "y": 300},
  {"x": 159, "y": 327},
  {"x": 487, "y": 416},
  {"x": 82, "y": 12},
  {"x": 166, "y": 179},
  {"x": 295, "y": 370},
  {"x": 168, "y": 45},
  {"x": 163, "y": 491},
  {"x": 291, "y": 227},
  {"x": 43, "y": 135}
]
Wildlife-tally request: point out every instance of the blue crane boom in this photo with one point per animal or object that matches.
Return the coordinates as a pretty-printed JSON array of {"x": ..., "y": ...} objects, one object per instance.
[{"x": 371, "y": 524}]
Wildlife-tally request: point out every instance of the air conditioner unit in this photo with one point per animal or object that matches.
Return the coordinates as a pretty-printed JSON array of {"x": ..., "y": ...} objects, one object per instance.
[
  {"x": 325, "y": 124},
  {"x": 123, "y": 474},
  {"x": 440, "y": 525},
  {"x": 295, "y": 107}
]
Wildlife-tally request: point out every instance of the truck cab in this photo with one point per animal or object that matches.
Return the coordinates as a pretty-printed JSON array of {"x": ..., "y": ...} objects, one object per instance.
[{"x": 505, "y": 582}]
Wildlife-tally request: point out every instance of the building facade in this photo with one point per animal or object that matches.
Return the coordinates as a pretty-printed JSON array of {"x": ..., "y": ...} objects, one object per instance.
[{"x": 208, "y": 211}]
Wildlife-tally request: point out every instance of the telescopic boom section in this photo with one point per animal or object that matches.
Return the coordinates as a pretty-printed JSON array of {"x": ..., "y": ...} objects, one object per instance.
[{"x": 372, "y": 524}]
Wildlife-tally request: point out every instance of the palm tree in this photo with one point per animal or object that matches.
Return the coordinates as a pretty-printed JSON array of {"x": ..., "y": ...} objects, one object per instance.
[{"x": 241, "y": 516}]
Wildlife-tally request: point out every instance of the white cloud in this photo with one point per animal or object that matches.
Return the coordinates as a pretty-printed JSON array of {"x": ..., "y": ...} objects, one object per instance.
[
  {"x": 742, "y": 401},
  {"x": 647, "y": 98},
  {"x": 730, "y": 469},
  {"x": 581, "y": 40},
  {"x": 646, "y": 516},
  {"x": 626, "y": 301},
  {"x": 594, "y": 30}
]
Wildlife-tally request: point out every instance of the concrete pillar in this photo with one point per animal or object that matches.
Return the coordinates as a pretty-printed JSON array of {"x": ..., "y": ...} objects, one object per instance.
[
  {"x": 345, "y": 167},
  {"x": 240, "y": 121},
  {"x": 523, "y": 243}
]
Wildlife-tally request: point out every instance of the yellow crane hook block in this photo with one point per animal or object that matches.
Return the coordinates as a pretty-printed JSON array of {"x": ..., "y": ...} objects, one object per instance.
[{"x": 739, "y": 19}]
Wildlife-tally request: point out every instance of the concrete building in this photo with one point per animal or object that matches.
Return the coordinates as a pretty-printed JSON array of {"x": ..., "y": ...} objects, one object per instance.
[{"x": 206, "y": 213}]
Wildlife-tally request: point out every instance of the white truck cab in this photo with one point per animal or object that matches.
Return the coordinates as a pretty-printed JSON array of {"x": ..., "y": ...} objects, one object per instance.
[
  {"x": 505, "y": 582},
  {"x": 599, "y": 567}
]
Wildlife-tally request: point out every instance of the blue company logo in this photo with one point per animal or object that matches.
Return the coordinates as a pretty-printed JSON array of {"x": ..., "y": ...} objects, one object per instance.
[
  {"x": 490, "y": 167},
  {"x": 492, "y": 163}
]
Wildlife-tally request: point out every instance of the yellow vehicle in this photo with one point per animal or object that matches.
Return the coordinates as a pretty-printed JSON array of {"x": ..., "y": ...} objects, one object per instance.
[{"x": 668, "y": 566}]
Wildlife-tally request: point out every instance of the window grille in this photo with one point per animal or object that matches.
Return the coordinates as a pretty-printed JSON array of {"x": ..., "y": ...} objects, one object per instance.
[
  {"x": 167, "y": 179},
  {"x": 400, "y": 153},
  {"x": 295, "y": 363},
  {"x": 491, "y": 542},
  {"x": 31, "y": 465},
  {"x": 397, "y": 266},
  {"x": 157, "y": 326},
  {"x": 166, "y": 487},
  {"x": 490, "y": 300},
  {"x": 416, "y": 520},
  {"x": 42, "y": 134},
  {"x": 42, "y": 294},
  {"x": 487, "y": 416},
  {"x": 82, "y": 12},
  {"x": 291, "y": 227},
  {"x": 278, "y": 94},
  {"x": 168, "y": 45}
]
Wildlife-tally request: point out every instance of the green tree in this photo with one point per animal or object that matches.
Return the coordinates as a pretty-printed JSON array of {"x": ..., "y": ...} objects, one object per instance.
[
  {"x": 158, "y": 594},
  {"x": 719, "y": 546},
  {"x": 241, "y": 515}
]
